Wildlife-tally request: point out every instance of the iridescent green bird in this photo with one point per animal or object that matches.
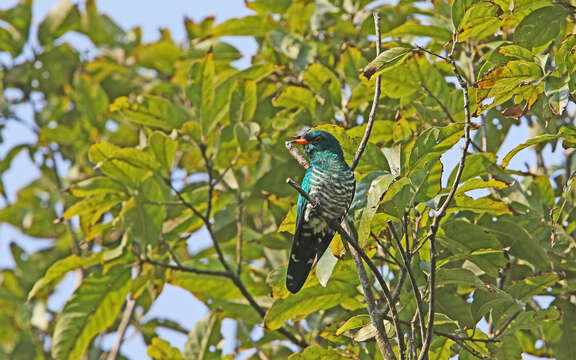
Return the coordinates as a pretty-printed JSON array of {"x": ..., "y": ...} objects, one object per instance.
[{"x": 331, "y": 183}]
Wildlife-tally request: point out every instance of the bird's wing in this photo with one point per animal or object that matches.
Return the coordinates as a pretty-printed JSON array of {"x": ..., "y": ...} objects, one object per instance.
[{"x": 304, "y": 245}]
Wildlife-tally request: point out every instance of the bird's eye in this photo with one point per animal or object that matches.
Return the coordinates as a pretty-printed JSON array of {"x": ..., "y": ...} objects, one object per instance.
[{"x": 316, "y": 138}]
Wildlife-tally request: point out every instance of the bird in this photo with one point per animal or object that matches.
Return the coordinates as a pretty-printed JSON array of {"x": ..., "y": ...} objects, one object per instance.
[{"x": 331, "y": 183}]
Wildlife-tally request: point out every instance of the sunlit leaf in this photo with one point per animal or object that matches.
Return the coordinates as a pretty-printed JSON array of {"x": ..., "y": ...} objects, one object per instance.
[{"x": 92, "y": 308}]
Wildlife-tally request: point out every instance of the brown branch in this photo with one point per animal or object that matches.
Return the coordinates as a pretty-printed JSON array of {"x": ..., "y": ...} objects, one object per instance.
[
  {"x": 375, "y": 316},
  {"x": 372, "y": 114},
  {"x": 128, "y": 311},
  {"x": 344, "y": 235},
  {"x": 239, "y": 235},
  {"x": 431, "y": 236},
  {"x": 500, "y": 331},
  {"x": 419, "y": 304},
  {"x": 185, "y": 268},
  {"x": 296, "y": 154},
  {"x": 420, "y": 48},
  {"x": 438, "y": 101},
  {"x": 447, "y": 112}
]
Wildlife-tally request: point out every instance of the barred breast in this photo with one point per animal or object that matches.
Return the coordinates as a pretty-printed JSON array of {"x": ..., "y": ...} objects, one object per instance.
[{"x": 334, "y": 189}]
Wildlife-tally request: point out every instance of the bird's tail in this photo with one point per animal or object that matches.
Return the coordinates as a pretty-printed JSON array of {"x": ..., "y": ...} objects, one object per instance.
[{"x": 306, "y": 251}]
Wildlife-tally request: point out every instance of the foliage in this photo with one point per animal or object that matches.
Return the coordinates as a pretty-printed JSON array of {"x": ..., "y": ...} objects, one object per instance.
[{"x": 161, "y": 140}]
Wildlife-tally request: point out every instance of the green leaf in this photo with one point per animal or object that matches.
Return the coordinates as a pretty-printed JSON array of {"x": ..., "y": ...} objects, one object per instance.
[
  {"x": 564, "y": 133},
  {"x": 62, "y": 18},
  {"x": 91, "y": 209},
  {"x": 164, "y": 149},
  {"x": 516, "y": 51},
  {"x": 413, "y": 29},
  {"x": 477, "y": 183},
  {"x": 522, "y": 243},
  {"x": 317, "y": 75},
  {"x": 160, "y": 349},
  {"x": 459, "y": 8},
  {"x": 510, "y": 75},
  {"x": 59, "y": 269},
  {"x": 558, "y": 93},
  {"x": 152, "y": 111},
  {"x": 243, "y": 101},
  {"x": 200, "y": 89},
  {"x": 325, "y": 266},
  {"x": 378, "y": 187},
  {"x": 90, "y": 99},
  {"x": 143, "y": 218},
  {"x": 296, "y": 97},
  {"x": 92, "y": 309},
  {"x": 351, "y": 60},
  {"x": 353, "y": 323},
  {"x": 317, "y": 352},
  {"x": 565, "y": 59},
  {"x": 540, "y": 27},
  {"x": 385, "y": 60},
  {"x": 307, "y": 301},
  {"x": 15, "y": 27},
  {"x": 246, "y": 26},
  {"x": 482, "y": 205},
  {"x": 482, "y": 19},
  {"x": 206, "y": 333}
]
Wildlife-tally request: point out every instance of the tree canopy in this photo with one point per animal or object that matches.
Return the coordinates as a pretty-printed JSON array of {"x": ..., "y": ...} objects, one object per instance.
[{"x": 141, "y": 145}]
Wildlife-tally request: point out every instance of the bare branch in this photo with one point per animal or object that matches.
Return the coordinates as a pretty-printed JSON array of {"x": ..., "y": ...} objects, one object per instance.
[
  {"x": 375, "y": 316},
  {"x": 185, "y": 268},
  {"x": 420, "y": 48},
  {"x": 239, "y": 235},
  {"x": 419, "y": 303},
  {"x": 296, "y": 154},
  {"x": 128, "y": 311},
  {"x": 372, "y": 114},
  {"x": 438, "y": 101}
]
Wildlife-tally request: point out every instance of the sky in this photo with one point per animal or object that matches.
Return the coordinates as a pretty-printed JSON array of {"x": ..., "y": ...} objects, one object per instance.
[{"x": 174, "y": 303}]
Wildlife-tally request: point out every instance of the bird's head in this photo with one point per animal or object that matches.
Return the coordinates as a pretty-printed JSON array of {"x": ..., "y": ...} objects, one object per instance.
[{"x": 318, "y": 144}]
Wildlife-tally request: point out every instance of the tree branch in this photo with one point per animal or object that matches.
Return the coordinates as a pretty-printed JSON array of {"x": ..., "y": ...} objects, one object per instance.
[
  {"x": 296, "y": 154},
  {"x": 406, "y": 261},
  {"x": 375, "y": 316},
  {"x": 128, "y": 311},
  {"x": 372, "y": 114},
  {"x": 431, "y": 236}
]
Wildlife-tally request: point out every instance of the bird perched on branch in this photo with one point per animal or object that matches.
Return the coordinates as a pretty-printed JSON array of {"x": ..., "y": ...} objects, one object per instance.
[{"x": 331, "y": 183}]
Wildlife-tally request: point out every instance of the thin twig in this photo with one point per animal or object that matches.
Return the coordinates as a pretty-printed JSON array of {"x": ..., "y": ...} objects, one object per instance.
[
  {"x": 296, "y": 154},
  {"x": 239, "y": 235},
  {"x": 186, "y": 268},
  {"x": 447, "y": 112},
  {"x": 375, "y": 316},
  {"x": 420, "y": 48},
  {"x": 444, "y": 108},
  {"x": 419, "y": 304},
  {"x": 128, "y": 311},
  {"x": 431, "y": 236},
  {"x": 500, "y": 331},
  {"x": 372, "y": 114}
]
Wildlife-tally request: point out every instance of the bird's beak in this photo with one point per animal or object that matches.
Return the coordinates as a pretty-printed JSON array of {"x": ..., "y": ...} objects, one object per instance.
[{"x": 301, "y": 141}]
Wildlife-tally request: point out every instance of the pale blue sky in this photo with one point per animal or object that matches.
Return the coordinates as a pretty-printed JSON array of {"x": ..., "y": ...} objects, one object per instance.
[{"x": 174, "y": 303}]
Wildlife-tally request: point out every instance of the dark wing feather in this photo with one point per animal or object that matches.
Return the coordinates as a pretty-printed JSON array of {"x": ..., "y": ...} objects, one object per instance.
[{"x": 304, "y": 247}]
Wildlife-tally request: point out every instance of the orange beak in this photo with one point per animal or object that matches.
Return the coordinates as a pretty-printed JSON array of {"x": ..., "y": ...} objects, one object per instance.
[{"x": 301, "y": 141}]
